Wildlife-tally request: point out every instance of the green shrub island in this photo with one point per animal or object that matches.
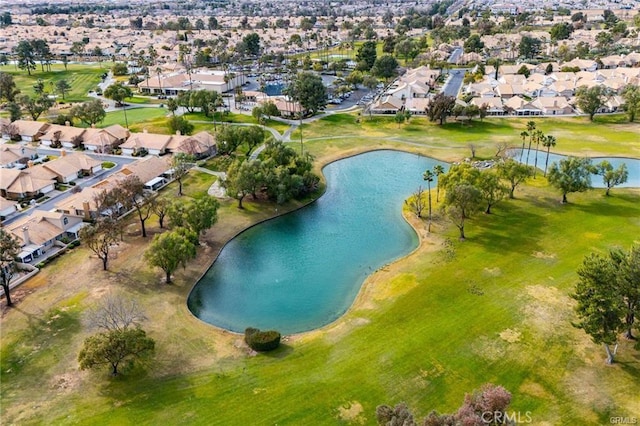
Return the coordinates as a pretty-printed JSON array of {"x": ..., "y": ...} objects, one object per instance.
[{"x": 262, "y": 341}]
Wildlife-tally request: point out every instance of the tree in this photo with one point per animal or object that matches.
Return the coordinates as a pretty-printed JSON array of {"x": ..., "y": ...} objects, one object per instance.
[
  {"x": 133, "y": 190},
  {"x": 461, "y": 202},
  {"x": 114, "y": 348},
  {"x": 99, "y": 237},
  {"x": 538, "y": 136},
  {"x": 611, "y": 177},
  {"x": 366, "y": 55},
  {"x": 35, "y": 106},
  {"x": 25, "y": 55},
  {"x": 197, "y": 216},
  {"x": 118, "y": 92},
  {"x": 513, "y": 172},
  {"x": 160, "y": 207},
  {"x": 548, "y": 142},
  {"x": 627, "y": 266},
  {"x": 9, "y": 249},
  {"x": 440, "y": 107},
  {"x": 529, "y": 47},
  {"x": 62, "y": 87},
  {"x": 591, "y": 99},
  {"x": 309, "y": 91},
  {"x": 8, "y": 88},
  {"x": 15, "y": 113},
  {"x": 406, "y": 48},
  {"x": 416, "y": 202},
  {"x": 115, "y": 312},
  {"x": 253, "y": 136},
  {"x": 180, "y": 124},
  {"x": 438, "y": 170},
  {"x": 181, "y": 163},
  {"x": 571, "y": 175},
  {"x": 523, "y": 135},
  {"x": 385, "y": 67},
  {"x": 561, "y": 31},
  {"x": 244, "y": 177},
  {"x": 428, "y": 176},
  {"x": 42, "y": 51},
  {"x": 90, "y": 113},
  {"x": 473, "y": 44},
  {"x": 170, "y": 250},
  {"x": 119, "y": 69},
  {"x": 598, "y": 309},
  {"x": 250, "y": 44},
  {"x": 531, "y": 126},
  {"x": 491, "y": 189},
  {"x": 631, "y": 95},
  {"x": 392, "y": 416}
]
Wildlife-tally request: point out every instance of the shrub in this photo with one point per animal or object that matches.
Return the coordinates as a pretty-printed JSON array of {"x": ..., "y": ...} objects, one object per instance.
[{"x": 262, "y": 341}]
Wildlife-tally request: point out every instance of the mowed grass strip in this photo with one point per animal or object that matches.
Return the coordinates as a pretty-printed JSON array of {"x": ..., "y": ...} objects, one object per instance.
[
  {"x": 81, "y": 77},
  {"x": 607, "y": 135},
  {"x": 136, "y": 117}
]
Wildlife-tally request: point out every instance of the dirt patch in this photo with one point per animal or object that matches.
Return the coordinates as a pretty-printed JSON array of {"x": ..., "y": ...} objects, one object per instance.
[
  {"x": 493, "y": 272},
  {"x": 534, "y": 389},
  {"x": 65, "y": 383},
  {"x": 352, "y": 412},
  {"x": 543, "y": 255},
  {"x": 342, "y": 328},
  {"x": 510, "y": 336}
]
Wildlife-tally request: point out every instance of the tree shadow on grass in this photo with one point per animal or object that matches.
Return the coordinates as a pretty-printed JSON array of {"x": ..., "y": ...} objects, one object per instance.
[
  {"x": 283, "y": 351},
  {"x": 506, "y": 229},
  {"x": 630, "y": 208}
]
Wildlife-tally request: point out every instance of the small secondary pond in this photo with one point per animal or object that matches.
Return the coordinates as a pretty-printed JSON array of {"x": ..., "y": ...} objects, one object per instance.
[{"x": 303, "y": 270}]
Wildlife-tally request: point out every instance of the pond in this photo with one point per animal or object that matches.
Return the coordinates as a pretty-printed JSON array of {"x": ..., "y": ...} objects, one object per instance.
[
  {"x": 303, "y": 270},
  {"x": 633, "y": 166}
]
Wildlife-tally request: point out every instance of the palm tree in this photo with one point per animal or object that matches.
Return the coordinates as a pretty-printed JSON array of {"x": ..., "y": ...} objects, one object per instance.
[
  {"x": 523, "y": 135},
  {"x": 539, "y": 136},
  {"x": 118, "y": 92},
  {"x": 438, "y": 170},
  {"x": 548, "y": 142},
  {"x": 428, "y": 176},
  {"x": 531, "y": 126}
]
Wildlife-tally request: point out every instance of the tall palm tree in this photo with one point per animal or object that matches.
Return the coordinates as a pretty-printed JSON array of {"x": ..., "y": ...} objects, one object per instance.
[
  {"x": 438, "y": 170},
  {"x": 428, "y": 177},
  {"x": 531, "y": 126},
  {"x": 523, "y": 135},
  {"x": 539, "y": 137},
  {"x": 548, "y": 142}
]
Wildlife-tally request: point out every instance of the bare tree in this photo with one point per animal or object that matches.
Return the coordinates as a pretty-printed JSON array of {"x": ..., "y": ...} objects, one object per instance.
[
  {"x": 160, "y": 207},
  {"x": 115, "y": 312},
  {"x": 416, "y": 202},
  {"x": 135, "y": 196},
  {"x": 100, "y": 237},
  {"x": 501, "y": 149}
]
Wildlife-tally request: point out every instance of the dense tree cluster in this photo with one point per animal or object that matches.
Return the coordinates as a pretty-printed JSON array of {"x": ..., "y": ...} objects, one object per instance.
[
  {"x": 608, "y": 296},
  {"x": 280, "y": 174},
  {"x": 486, "y": 406}
]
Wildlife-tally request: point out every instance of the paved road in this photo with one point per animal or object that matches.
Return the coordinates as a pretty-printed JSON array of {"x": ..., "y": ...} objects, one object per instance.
[
  {"x": 455, "y": 55},
  {"x": 85, "y": 182},
  {"x": 454, "y": 82}
]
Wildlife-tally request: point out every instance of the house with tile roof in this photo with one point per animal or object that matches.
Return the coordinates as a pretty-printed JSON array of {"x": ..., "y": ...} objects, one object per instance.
[
  {"x": 200, "y": 145},
  {"x": 12, "y": 155},
  {"x": 106, "y": 139},
  {"x": 42, "y": 231},
  {"x": 63, "y": 136},
  {"x": 24, "y": 184},
  {"x": 153, "y": 143},
  {"x": 27, "y": 130}
]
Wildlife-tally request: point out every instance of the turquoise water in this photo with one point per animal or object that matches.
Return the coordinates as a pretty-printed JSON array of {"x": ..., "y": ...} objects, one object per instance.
[
  {"x": 303, "y": 270},
  {"x": 633, "y": 166}
]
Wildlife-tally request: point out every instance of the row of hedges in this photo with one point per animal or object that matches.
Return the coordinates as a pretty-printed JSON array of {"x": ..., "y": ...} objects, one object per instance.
[{"x": 262, "y": 341}]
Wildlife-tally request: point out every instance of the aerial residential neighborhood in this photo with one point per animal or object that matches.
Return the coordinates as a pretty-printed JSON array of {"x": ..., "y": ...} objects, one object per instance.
[{"x": 320, "y": 212}]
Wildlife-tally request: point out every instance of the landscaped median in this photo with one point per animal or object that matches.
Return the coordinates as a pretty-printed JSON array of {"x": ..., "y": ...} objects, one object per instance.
[{"x": 425, "y": 330}]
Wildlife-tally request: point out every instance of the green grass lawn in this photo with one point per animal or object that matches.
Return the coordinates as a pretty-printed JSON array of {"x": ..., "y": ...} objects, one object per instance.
[
  {"x": 608, "y": 135},
  {"x": 136, "y": 117},
  {"x": 426, "y": 329},
  {"x": 81, "y": 77}
]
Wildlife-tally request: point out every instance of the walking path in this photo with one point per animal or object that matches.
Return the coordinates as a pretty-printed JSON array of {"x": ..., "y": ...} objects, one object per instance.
[{"x": 216, "y": 189}]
